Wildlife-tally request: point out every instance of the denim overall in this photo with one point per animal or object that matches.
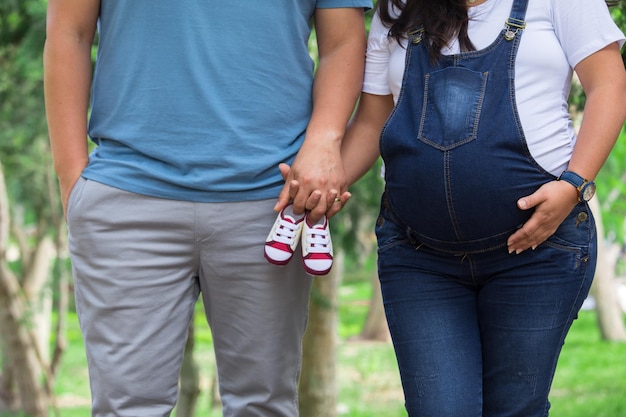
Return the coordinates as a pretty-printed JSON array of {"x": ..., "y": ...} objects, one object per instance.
[{"x": 477, "y": 331}]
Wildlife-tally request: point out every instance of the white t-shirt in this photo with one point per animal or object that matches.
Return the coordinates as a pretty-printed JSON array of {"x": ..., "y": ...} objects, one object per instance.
[{"x": 558, "y": 35}]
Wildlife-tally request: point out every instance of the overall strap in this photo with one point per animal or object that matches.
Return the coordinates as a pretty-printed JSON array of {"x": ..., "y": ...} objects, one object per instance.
[
  {"x": 516, "y": 21},
  {"x": 416, "y": 34}
]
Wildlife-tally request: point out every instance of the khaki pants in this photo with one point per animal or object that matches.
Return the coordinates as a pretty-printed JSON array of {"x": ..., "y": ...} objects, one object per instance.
[{"x": 139, "y": 265}]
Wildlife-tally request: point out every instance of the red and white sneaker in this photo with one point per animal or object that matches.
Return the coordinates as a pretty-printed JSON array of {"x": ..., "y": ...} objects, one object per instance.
[
  {"x": 283, "y": 239},
  {"x": 317, "y": 247}
]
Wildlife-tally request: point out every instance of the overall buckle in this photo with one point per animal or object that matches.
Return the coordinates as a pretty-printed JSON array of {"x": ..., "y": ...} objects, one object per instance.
[
  {"x": 416, "y": 35},
  {"x": 512, "y": 27}
]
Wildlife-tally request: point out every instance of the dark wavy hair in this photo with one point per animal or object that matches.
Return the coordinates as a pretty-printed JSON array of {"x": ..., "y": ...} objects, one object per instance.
[{"x": 443, "y": 20}]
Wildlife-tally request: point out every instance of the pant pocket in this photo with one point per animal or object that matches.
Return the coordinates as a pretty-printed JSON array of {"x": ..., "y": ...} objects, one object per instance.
[{"x": 75, "y": 196}]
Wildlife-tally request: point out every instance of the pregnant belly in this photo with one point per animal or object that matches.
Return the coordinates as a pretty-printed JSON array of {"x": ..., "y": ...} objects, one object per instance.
[{"x": 460, "y": 201}]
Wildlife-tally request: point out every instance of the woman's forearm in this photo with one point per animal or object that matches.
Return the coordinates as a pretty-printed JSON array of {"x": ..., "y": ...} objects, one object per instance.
[
  {"x": 360, "y": 146},
  {"x": 604, "y": 80}
]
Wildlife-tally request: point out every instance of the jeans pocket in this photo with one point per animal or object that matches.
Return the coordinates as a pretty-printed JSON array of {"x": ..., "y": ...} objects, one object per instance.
[
  {"x": 576, "y": 235},
  {"x": 388, "y": 232},
  {"x": 577, "y": 231},
  {"x": 453, "y": 99}
]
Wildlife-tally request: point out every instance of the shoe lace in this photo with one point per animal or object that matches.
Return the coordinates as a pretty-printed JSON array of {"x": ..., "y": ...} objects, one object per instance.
[
  {"x": 317, "y": 240},
  {"x": 285, "y": 232}
]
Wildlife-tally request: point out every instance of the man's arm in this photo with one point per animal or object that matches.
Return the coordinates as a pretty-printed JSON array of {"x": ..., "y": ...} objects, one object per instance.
[
  {"x": 317, "y": 168},
  {"x": 360, "y": 145},
  {"x": 70, "y": 31}
]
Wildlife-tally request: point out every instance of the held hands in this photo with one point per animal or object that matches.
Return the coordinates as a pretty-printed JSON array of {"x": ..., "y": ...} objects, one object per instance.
[
  {"x": 553, "y": 201},
  {"x": 309, "y": 197}
]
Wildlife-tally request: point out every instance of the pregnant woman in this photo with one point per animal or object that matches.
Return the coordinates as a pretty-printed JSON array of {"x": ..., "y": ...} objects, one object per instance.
[{"x": 486, "y": 243}]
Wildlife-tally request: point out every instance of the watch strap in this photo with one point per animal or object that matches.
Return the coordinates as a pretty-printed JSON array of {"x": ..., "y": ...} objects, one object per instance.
[
  {"x": 578, "y": 182},
  {"x": 573, "y": 178}
]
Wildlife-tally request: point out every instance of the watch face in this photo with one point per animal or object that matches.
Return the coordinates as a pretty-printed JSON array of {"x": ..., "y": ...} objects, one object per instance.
[{"x": 588, "y": 190}]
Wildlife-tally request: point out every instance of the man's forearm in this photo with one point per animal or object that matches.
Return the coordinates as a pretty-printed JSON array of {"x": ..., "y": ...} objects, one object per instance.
[
  {"x": 339, "y": 76},
  {"x": 67, "y": 78}
]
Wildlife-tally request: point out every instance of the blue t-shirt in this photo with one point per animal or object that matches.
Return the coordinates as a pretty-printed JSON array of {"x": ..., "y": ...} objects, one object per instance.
[{"x": 201, "y": 100}]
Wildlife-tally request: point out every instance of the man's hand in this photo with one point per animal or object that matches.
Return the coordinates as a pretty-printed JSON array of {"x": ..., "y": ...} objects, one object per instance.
[
  {"x": 317, "y": 178},
  {"x": 66, "y": 185},
  {"x": 333, "y": 201}
]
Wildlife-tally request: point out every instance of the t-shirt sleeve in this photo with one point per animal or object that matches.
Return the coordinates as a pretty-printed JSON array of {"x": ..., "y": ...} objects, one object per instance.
[
  {"x": 584, "y": 27},
  {"x": 376, "y": 79}
]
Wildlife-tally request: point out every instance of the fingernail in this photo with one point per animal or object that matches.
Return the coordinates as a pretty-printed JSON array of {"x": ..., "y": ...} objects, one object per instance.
[
  {"x": 517, "y": 252},
  {"x": 534, "y": 247},
  {"x": 523, "y": 204}
]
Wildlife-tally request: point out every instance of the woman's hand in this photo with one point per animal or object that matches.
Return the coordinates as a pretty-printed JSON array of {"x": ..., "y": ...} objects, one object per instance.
[{"x": 552, "y": 202}]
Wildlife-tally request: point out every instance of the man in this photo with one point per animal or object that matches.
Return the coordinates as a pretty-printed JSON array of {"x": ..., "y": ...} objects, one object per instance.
[{"x": 193, "y": 106}]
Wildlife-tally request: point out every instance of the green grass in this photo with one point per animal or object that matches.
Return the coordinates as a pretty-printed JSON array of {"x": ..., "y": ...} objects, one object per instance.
[
  {"x": 590, "y": 380},
  {"x": 591, "y": 375}
]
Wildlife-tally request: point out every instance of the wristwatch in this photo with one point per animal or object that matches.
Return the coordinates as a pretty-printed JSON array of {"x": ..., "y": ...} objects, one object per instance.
[{"x": 586, "y": 189}]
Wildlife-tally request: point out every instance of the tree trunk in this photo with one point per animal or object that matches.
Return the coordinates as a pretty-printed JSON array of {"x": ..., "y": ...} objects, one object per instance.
[
  {"x": 38, "y": 293},
  {"x": 189, "y": 379},
  {"x": 375, "y": 327},
  {"x": 21, "y": 352},
  {"x": 19, "y": 341},
  {"x": 62, "y": 305},
  {"x": 318, "y": 386},
  {"x": 214, "y": 391},
  {"x": 604, "y": 288}
]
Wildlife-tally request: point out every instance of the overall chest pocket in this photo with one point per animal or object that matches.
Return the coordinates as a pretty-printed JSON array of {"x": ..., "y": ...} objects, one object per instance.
[{"x": 453, "y": 99}]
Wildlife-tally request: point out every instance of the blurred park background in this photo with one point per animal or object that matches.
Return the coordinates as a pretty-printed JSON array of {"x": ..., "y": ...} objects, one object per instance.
[{"x": 349, "y": 367}]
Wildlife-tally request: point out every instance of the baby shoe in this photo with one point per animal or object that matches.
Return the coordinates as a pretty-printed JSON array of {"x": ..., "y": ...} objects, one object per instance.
[
  {"x": 317, "y": 247},
  {"x": 283, "y": 238}
]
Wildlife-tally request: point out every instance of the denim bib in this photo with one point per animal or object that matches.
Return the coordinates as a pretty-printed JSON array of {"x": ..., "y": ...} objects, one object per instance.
[{"x": 456, "y": 159}]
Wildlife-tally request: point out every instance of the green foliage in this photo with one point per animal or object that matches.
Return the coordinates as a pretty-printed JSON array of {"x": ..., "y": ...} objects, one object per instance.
[
  {"x": 612, "y": 192},
  {"x": 355, "y": 289},
  {"x": 590, "y": 374},
  {"x": 618, "y": 12},
  {"x": 24, "y": 149},
  {"x": 353, "y": 226}
]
